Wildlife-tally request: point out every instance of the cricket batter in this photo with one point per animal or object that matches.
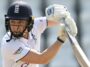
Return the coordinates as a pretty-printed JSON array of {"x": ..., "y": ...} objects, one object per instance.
[{"x": 21, "y": 44}]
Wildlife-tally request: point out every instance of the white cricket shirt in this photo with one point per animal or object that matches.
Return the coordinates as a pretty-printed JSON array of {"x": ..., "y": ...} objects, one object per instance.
[{"x": 16, "y": 49}]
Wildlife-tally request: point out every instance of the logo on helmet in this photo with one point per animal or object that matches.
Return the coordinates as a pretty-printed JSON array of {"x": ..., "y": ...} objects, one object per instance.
[{"x": 16, "y": 8}]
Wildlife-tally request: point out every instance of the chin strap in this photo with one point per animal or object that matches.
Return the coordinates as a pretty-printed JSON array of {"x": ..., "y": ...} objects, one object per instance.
[{"x": 28, "y": 27}]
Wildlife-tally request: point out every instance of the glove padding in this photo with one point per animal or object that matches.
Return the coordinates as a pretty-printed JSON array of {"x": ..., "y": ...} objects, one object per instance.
[
  {"x": 71, "y": 25},
  {"x": 62, "y": 33},
  {"x": 57, "y": 13}
]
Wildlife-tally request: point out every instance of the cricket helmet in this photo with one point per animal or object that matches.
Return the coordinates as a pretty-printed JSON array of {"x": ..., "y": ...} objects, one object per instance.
[{"x": 19, "y": 10}]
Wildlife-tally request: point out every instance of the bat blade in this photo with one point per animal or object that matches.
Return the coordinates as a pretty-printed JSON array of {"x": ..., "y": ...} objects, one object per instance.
[{"x": 80, "y": 55}]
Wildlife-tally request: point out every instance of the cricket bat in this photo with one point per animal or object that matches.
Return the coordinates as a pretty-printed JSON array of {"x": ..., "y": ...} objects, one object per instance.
[
  {"x": 80, "y": 55},
  {"x": 78, "y": 52}
]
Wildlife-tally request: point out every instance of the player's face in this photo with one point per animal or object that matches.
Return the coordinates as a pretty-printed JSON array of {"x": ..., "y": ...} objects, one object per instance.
[{"x": 18, "y": 26}]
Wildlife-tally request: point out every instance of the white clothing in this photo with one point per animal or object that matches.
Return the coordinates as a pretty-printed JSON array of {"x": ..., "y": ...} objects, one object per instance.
[{"x": 16, "y": 49}]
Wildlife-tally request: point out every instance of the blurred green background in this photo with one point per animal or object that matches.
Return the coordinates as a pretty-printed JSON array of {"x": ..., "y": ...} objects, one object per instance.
[{"x": 80, "y": 11}]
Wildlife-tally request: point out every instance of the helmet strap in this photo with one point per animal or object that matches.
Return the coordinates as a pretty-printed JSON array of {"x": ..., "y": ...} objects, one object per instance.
[{"x": 28, "y": 27}]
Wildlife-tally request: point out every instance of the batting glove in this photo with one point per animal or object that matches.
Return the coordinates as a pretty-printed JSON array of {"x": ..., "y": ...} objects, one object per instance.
[
  {"x": 57, "y": 12},
  {"x": 71, "y": 25},
  {"x": 62, "y": 36}
]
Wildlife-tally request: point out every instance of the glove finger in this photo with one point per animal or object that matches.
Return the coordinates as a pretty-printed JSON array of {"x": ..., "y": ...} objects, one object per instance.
[{"x": 62, "y": 32}]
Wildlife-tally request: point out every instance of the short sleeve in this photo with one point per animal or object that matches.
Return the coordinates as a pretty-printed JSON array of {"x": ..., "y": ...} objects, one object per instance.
[
  {"x": 14, "y": 50},
  {"x": 40, "y": 24}
]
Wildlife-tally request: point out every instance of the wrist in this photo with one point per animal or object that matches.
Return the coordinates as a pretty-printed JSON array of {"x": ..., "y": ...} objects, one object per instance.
[{"x": 60, "y": 40}]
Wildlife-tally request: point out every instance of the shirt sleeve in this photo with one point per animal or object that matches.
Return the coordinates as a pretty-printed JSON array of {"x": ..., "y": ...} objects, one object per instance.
[
  {"x": 40, "y": 24},
  {"x": 14, "y": 51}
]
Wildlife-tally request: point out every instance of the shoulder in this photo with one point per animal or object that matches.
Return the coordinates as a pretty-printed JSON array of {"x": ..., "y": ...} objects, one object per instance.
[
  {"x": 40, "y": 19},
  {"x": 6, "y": 37},
  {"x": 40, "y": 24}
]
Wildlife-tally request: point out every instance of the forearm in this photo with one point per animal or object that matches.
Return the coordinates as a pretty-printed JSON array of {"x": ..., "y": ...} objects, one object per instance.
[
  {"x": 52, "y": 23},
  {"x": 50, "y": 52}
]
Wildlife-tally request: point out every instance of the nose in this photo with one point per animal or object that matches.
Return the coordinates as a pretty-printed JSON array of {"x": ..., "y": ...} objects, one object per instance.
[{"x": 16, "y": 28}]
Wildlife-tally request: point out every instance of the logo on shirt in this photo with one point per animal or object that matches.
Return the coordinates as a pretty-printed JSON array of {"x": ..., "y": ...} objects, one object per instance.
[
  {"x": 24, "y": 65},
  {"x": 19, "y": 50}
]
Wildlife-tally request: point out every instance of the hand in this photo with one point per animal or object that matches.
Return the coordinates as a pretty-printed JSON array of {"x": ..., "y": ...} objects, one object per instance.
[
  {"x": 56, "y": 12},
  {"x": 71, "y": 25},
  {"x": 62, "y": 33}
]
